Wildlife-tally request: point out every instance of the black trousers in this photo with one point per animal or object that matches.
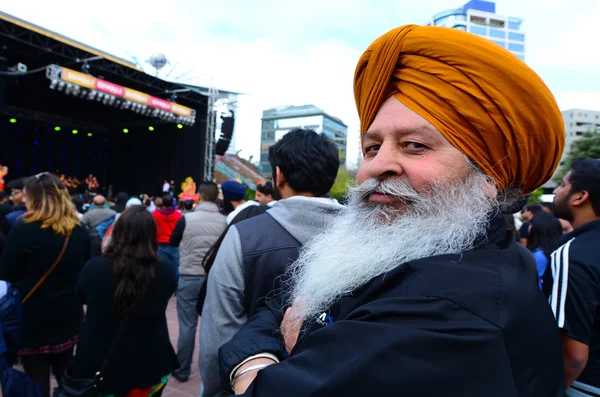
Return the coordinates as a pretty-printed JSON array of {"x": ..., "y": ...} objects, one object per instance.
[{"x": 38, "y": 367}]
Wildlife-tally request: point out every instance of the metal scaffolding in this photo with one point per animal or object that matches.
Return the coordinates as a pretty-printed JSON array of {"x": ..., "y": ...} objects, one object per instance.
[{"x": 211, "y": 128}]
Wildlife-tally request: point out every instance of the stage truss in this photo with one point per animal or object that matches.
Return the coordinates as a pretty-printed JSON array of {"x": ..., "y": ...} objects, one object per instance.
[{"x": 211, "y": 129}]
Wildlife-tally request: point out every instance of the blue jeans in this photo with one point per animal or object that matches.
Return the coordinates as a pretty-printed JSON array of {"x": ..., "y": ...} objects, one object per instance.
[
  {"x": 165, "y": 251},
  {"x": 188, "y": 289}
]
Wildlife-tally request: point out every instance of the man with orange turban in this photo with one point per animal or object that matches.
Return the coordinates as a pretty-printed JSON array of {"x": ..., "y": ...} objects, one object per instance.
[{"x": 418, "y": 289}]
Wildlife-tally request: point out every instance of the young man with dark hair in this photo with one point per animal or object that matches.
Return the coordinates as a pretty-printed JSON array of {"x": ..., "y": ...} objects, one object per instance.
[
  {"x": 265, "y": 194},
  {"x": 256, "y": 252},
  {"x": 575, "y": 298},
  {"x": 16, "y": 197},
  {"x": 194, "y": 234},
  {"x": 166, "y": 217},
  {"x": 527, "y": 214}
]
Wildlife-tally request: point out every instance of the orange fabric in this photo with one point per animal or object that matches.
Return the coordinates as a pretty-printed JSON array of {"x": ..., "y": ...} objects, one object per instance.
[{"x": 484, "y": 100}]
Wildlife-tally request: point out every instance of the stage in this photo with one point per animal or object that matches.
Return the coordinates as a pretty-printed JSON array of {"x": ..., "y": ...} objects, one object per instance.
[{"x": 42, "y": 128}]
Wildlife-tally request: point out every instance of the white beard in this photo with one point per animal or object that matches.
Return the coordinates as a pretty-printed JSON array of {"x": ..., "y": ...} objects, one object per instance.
[{"x": 369, "y": 239}]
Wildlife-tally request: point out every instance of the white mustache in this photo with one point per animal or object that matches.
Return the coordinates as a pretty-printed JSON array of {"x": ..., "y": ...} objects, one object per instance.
[{"x": 392, "y": 186}]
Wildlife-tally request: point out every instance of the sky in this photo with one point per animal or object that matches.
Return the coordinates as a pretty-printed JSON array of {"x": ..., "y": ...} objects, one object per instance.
[{"x": 304, "y": 52}]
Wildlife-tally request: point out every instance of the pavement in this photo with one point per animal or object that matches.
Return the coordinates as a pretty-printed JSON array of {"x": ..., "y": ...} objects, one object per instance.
[{"x": 174, "y": 388}]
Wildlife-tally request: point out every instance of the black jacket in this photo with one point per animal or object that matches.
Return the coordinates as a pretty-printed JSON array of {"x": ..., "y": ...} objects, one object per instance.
[
  {"x": 465, "y": 325},
  {"x": 144, "y": 354},
  {"x": 268, "y": 249},
  {"x": 53, "y": 308}
]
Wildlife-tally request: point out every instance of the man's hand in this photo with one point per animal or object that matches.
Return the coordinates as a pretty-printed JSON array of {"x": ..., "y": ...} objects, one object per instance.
[
  {"x": 243, "y": 382},
  {"x": 290, "y": 327}
]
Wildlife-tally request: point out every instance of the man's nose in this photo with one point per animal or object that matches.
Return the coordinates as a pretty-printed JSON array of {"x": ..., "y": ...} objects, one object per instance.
[{"x": 387, "y": 162}]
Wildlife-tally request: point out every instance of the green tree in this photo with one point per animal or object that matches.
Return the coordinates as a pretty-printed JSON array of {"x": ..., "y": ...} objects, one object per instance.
[
  {"x": 340, "y": 186},
  {"x": 586, "y": 146},
  {"x": 536, "y": 196}
]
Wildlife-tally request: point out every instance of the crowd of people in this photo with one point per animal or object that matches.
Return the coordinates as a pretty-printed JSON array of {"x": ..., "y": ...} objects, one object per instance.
[{"x": 416, "y": 286}]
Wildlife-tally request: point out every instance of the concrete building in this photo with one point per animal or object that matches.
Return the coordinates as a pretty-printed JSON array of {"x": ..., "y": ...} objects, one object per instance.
[
  {"x": 577, "y": 123},
  {"x": 480, "y": 18},
  {"x": 278, "y": 121}
]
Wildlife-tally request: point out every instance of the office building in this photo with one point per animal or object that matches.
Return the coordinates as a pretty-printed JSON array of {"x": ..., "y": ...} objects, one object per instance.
[
  {"x": 577, "y": 123},
  {"x": 277, "y": 122},
  {"x": 480, "y": 18}
]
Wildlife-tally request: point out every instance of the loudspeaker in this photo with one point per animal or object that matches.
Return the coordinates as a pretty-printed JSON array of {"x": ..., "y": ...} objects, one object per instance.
[{"x": 226, "y": 134}]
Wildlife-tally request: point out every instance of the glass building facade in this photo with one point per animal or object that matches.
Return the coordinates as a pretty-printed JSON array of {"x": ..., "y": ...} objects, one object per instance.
[
  {"x": 480, "y": 18},
  {"x": 277, "y": 122}
]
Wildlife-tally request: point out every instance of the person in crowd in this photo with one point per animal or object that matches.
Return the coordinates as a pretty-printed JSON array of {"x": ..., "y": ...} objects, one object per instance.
[
  {"x": 417, "y": 288},
  {"x": 566, "y": 226},
  {"x": 108, "y": 235},
  {"x": 256, "y": 252},
  {"x": 44, "y": 254},
  {"x": 543, "y": 238},
  {"x": 166, "y": 217},
  {"x": 5, "y": 207},
  {"x": 78, "y": 203},
  {"x": 120, "y": 202},
  {"x": 186, "y": 206},
  {"x": 94, "y": 186},
  {"x": 95, "y": 215},
  {"x": 17, "y": 199},
  {"x": 265, "y": 194},
  {"x": 158, "y": 203},
  {"x": 126, "y": 292},
  {"x": 234, "y": 201},
  {"x": 575, "y": 298},
  {"x": 194, "y": 234},
  {"x": 166, "y": 187},
  {"x": 527, "y": 215},
  {"x": 172, "y": 188},
  {"x": 12, "y": 381}
]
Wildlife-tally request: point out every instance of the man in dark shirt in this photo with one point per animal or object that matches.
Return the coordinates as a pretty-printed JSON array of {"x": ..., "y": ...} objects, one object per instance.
[
  {"x": 17, "y": 199},
  {"x": 527, "y": 214},
  {"x": 575, "y": 265}
]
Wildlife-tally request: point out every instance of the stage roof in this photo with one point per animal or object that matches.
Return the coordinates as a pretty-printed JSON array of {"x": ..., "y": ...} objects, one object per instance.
[{"x": 12, "y": 27}]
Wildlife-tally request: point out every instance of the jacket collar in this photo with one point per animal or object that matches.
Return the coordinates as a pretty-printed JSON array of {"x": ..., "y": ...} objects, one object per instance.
[
  {"x": 595, "y": 225},
  {"x": 206, "y": 206}
]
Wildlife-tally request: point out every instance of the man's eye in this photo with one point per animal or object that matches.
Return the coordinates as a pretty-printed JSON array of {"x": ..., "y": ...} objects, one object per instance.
[
  {"x": 414, "y": 145},
  {"x": 372, "y": 149}
]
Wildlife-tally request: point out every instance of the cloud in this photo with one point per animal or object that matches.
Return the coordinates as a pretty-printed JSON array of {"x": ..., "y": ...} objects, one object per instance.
[{"x": 292, "y": 52}]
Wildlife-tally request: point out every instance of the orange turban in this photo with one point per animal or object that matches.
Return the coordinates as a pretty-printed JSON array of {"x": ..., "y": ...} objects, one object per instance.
[{"x": 484, "y": 100}]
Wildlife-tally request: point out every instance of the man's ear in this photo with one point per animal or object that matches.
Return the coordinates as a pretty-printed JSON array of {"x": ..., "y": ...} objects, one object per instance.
[
  {"x": 580, "y": 198},
  {"x": 280, "y": 178}
]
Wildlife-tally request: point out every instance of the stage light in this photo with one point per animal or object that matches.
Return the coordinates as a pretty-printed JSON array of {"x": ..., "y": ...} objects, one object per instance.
[
  {"x": 53, "y": 84},
  {"x": 180, "y": 126},
  {"x": 61, "y": 85},
  {"x": 74, "y": 132},
  {"x": 12, "y": 121},
  {"x": 57, "y": 128},
  {"x": 150, "y": 128},
  {"x": 90, "y": 134},
  {"x": 125, "y": 130}
]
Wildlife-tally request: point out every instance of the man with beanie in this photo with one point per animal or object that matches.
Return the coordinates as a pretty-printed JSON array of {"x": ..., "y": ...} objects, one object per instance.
[
  {"x": 234, "y": 201},
  {"x": 256, "y": 252},
  {"x": 417, "y": 288},
  {"x": 166, "y": 218}
]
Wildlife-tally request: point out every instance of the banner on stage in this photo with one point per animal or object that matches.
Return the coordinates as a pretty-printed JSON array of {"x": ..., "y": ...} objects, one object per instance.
[{"x": 93, "y": 83}]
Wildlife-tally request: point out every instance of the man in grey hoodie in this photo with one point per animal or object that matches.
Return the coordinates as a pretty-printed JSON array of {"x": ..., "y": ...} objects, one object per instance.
[{"x": 256, "y": 252}]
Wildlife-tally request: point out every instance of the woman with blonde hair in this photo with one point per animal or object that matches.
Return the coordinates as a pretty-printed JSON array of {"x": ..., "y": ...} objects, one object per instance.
[{"x": 44, "y": 253}]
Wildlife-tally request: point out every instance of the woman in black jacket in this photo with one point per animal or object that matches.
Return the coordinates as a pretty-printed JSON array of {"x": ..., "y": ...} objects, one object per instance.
[
  {"x": 52, "y": 315},
  {"x": 129, "y": 286}
]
